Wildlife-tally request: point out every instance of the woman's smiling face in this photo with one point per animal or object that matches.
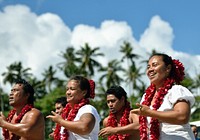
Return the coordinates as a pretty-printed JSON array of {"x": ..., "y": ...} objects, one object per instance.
[
  {"x": 157, "y": 71},
  {"x": 73, "y": 92}
]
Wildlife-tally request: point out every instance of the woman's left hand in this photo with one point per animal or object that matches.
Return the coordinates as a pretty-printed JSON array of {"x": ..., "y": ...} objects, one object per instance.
[
  {"x": 142, "y": 110},
  {"x": 55, "y": 117}
]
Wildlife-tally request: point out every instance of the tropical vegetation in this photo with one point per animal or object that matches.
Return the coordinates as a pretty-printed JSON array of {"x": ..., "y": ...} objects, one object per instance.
[{"x": 84, "y": 62}]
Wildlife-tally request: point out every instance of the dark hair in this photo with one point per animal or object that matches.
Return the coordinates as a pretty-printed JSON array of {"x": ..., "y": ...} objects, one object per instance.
[
  {"x": 118, "y": 91},
  {"x": 27, "y": 89},
  {"x": 83, "y": 83},
  {"x": 62, "y": 101},
  {"x": 192, "y": 125}
]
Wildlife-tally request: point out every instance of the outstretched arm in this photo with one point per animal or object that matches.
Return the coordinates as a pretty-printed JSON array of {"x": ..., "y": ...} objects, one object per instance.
[
  {"x": 179, "y": 115},
  {"x": 82, "y": 126},
  {"x": 32, "y": 123}
]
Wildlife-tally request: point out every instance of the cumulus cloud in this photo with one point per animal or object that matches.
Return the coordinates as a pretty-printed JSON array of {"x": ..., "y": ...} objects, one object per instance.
[
  {"x": 109, "y": 36},
  {"x": 158, "y": 36},
  {"x": 32, "y": 39},
  {"x": 36, "y": 40}
]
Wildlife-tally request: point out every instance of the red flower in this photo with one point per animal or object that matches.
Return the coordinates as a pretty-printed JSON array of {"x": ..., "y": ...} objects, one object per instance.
[{"x": 178, "y": 71}]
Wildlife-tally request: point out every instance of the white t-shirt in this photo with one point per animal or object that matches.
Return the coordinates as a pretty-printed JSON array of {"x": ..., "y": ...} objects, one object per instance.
[
  {"x": 1, "y": 133},
  {"x": 171, "y": 131},
  {"x": 93, "y": 135}
]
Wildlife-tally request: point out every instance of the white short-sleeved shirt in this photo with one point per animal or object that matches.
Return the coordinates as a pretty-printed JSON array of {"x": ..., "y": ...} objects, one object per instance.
[
  {"x": 171, "y": 131},
  {"x": 1, "y": 134},
  {"x": 93, "y": 135}
]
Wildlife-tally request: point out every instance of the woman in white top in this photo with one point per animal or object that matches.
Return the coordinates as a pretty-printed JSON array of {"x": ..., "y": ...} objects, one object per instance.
[
  {"x": 79, "y": 119},
  {"x": 165, "y": 107}
]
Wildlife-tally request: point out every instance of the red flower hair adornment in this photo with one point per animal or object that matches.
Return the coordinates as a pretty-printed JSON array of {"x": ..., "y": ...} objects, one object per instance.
[
  {"x": 92, "y": 89},
  {"x": 178, "y": 71}
]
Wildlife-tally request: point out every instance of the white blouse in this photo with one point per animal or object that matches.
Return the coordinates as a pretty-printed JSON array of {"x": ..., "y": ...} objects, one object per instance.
[
  {"x": 172, "y": 131},
  {"x": 93, "y": 135}
]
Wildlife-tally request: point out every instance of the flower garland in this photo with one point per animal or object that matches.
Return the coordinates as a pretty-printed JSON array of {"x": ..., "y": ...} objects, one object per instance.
[
  {"x": 69, "y": 114},
  {"x": 11, "y": 114},
  {"x": 176, "y": 77},
  {"x": 112, "y": 121},
  {"x": 154, "y": 129},
  {"x": 92, "y": 88}
]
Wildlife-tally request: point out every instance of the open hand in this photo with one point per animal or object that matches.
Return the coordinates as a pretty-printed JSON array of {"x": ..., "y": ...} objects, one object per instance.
[
  {"x": 55, "y": 117},
  {"x": 142, "y": 110},
  {"x": 107, "y": 131}
]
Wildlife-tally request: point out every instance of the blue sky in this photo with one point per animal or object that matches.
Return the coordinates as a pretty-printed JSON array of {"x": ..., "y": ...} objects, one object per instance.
[
  {"x": 36, "y": 31},
  {"x": 36, "y": 38},
  {"x": 183, "y": 16}
]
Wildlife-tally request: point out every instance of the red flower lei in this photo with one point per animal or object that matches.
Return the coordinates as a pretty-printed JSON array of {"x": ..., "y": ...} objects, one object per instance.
[
  {"x": 69, "y": 114},
  {"x": 154, "y": 128},
  {"x": 112, "y": 121},
  {"x": 11, "y": 114},
  {"x": 177, "y": 77}
]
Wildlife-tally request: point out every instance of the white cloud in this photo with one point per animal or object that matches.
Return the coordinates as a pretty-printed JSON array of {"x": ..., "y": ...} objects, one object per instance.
[
  {"x": 33, "y": 39},
  {"x": 158, "y": 36},
  {"x": 36, "y": 40},
  {"x": 110, "y": 34},
  {"x": 109, "y": 37}
]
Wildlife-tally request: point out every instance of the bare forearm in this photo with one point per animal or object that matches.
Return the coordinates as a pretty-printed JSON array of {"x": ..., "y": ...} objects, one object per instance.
[
  {"x": 78, "y": 127},
  {"x": 179, "y": 114},
  {"x": 128, "y": 129},
  {"x": 18, "y": 129},
  {"x": 173, "y": 117}
]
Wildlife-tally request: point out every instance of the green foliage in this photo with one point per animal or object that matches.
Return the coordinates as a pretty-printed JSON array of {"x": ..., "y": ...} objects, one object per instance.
[
  {"x": 47, "y": 104},
  {"x": 14, "y": 72},
  {"x": 188, "y": 82},
  {"x": 4, "y": 102},
  {"x": 83, "y": 62}
]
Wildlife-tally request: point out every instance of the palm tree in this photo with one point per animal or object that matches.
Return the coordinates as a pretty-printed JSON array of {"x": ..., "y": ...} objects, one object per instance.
[
  {"x": 39, "y": 87},
  {"x": 88, "y": 56},
  {"x": 49, "y": 77},
  {"x": 132, "y": 73},
  {"x": 128, "y": 55},
  {"x": 110, "y": 75},
  {"x": 70, "y": 65},
  {"x": 16, "y": 71}
]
